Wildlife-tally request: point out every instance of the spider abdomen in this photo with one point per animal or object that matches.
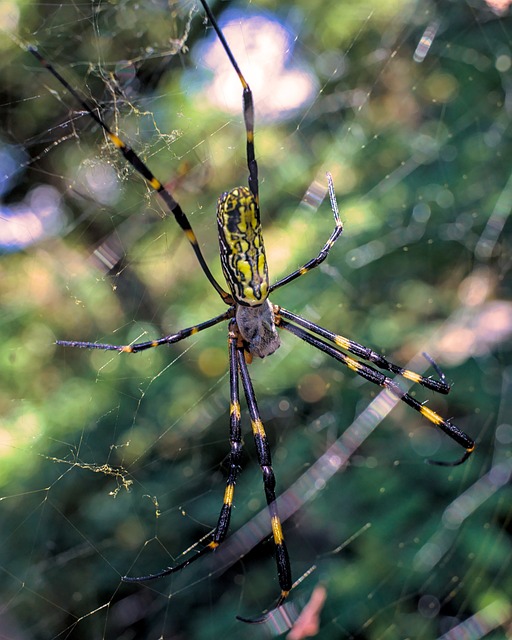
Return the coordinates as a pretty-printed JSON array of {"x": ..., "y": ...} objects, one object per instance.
[{"x": 242, "y": 252}]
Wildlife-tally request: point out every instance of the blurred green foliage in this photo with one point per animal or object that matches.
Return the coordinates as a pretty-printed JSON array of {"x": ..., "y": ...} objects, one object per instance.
[{"x": 114, "y": 465}]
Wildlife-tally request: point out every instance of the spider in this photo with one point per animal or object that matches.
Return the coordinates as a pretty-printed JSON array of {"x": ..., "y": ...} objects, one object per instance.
[{"x": 253, "y": 323}]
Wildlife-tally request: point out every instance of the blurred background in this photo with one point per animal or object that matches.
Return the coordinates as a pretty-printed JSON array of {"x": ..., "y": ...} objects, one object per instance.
[{"x": 114, "y": 464}]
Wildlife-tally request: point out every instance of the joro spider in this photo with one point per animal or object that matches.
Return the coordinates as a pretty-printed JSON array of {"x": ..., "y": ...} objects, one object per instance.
[{"x": 253, "y": 322}]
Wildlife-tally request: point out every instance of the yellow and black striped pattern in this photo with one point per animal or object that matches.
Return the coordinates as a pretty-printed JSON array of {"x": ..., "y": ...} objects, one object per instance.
[{"x": 242, "y": 252}]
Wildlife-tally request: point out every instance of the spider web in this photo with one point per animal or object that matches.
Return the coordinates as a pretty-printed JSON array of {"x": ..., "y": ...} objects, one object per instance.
[{"x": 115, "y": 465}]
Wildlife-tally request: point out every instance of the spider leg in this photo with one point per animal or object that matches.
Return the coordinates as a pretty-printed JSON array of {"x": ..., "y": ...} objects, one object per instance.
[
  {"x": 142, "y": 346},
  {"x": 371, "y": 374},
  {"x": 248, "y": 105},
  {"x": 440, "y": 386},
  {"x": 143, "y": 170},
  {"x": 235, "y": 440},
  {"x": 315, "y": 262},
  {"x": 265, "y": 462}
]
